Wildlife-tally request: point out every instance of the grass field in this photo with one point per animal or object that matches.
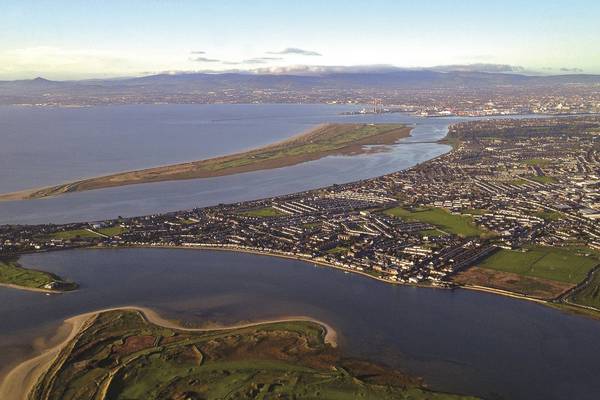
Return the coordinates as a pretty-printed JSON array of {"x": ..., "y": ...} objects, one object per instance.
[
  {"x": 338, "y": 250},
  {"x": 263, "y": 212},
  {"x": 121, "y": 356},
  {"x": 539, "y": 162},
  {"x": 12, "y": 273},
  {"x": 74, "y": 234},
  {"x": 112, "y": 230},
  {"x": 589, "y": 295},
  {"x": 432, "y": 233},
  {"x": 563, "y": 265},
  {"x": 450, "y": 223},
  {"x": 542, "y": 179},
  {"x": 518, "y": 182}
]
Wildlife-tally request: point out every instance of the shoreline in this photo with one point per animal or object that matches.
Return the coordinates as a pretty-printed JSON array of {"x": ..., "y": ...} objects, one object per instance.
[
  {"x": 31, "y": 289},
  {"x": 20, "y": 380},
  {"x": 476, "y": 288},
  {"x": 270, "y": 156}
]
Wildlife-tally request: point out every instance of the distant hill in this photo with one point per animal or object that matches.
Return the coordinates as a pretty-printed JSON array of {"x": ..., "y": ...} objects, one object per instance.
[
  {"x": 399, "y": 79},
  {"x": 207, "y": 87}
]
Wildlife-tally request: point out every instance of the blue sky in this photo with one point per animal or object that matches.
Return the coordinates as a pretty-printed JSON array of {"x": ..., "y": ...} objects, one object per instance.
[{"x": 78, "y": 39}]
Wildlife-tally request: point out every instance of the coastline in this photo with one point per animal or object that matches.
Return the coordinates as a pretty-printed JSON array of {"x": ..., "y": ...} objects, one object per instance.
[
  {"x": 31, "y": 289},
  {"x": 271, "y": 156},
  {"x": 20, "y": 380},
  {"x": 477, "y": 288}
]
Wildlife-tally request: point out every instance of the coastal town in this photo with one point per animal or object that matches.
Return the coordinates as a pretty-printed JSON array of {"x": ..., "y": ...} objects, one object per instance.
[{"x": 520, "y": 190}]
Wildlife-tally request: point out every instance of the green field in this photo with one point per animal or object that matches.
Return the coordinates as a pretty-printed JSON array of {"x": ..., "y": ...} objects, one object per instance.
[
  {"x": 589, "y": 295},
  {"x": 264, "y": 212},
  {"x": 111, "y": 230},
  {"x": 518, "y": 182},
  {"x": 74, "y": 234},
  {"x": 474, "y": 211},
  {"x": 328, "y": 139},
  {"x": 120, "y": 356},
  {"x": 432, "y": 233},
  {"x": 542, "y": 179},
  {"x": 12, "y": 273},
  {"x": 450, "y": 223},
  {"x": 539, "y": 162},
  {"x": 563, "y": 265},
  {"x": 338, "y": 250}
]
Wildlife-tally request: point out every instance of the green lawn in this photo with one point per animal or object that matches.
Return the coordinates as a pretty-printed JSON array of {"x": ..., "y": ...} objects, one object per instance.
[
  {"x": 111, "y": 230},
  {"x": 456, "y": 224},
  {"x": 540, "y": 162},
  {"x": 563, "y": 265},
  {"x": 264, "y": 212},
  {"x": 12, "y": 273},
  {"x": 432, "y": 233},
  {"x": 542, "y": 179},
  {"x": 73, "y": 234},
  {"x": 328, "y": 138},
  {"x": 337, "y": 250},
  {"x": 518, "y": 182}
]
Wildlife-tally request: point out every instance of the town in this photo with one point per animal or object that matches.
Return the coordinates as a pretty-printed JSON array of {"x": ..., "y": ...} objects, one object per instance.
[
  {"x": 450, "y": 93},
  {"x": 513, "y": 208}
]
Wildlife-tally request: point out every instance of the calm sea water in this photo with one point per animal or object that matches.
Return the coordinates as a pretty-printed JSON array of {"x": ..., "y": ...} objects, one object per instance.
[
  {"x": 460, "y": 341},
  {"x": 45, "y": 146}
]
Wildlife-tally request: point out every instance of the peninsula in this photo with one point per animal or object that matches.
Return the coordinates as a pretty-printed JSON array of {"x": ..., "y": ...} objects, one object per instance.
[
  {"x": 133, "y": 353},
  {"x": 322, "y": 141},
  {"x": 14, "y": 275}
]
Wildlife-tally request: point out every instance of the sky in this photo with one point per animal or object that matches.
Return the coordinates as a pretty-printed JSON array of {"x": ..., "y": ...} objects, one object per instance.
[{"x": 76, "y": 39}]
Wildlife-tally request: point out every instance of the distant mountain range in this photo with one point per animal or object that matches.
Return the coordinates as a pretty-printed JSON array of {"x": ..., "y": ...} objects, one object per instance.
[{"x": 225, "y": 86}]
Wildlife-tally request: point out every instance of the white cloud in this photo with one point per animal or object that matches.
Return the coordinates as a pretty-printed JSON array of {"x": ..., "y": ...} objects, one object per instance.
[{"x": 295, "y": 50}]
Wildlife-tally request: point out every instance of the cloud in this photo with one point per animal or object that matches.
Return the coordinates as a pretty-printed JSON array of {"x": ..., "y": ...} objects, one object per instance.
[
  {"x": 205, "y": 60},
  {"x": 261, "y": 60},
  {"x": 480, "y": 67},
  {"x": 325, "y": 69},
  {"x": 197, "y": 52},
  {"x": 564, "y": 69},
  {"x": 295, "y": 50},
  {"x": 305, "y": 70}
]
